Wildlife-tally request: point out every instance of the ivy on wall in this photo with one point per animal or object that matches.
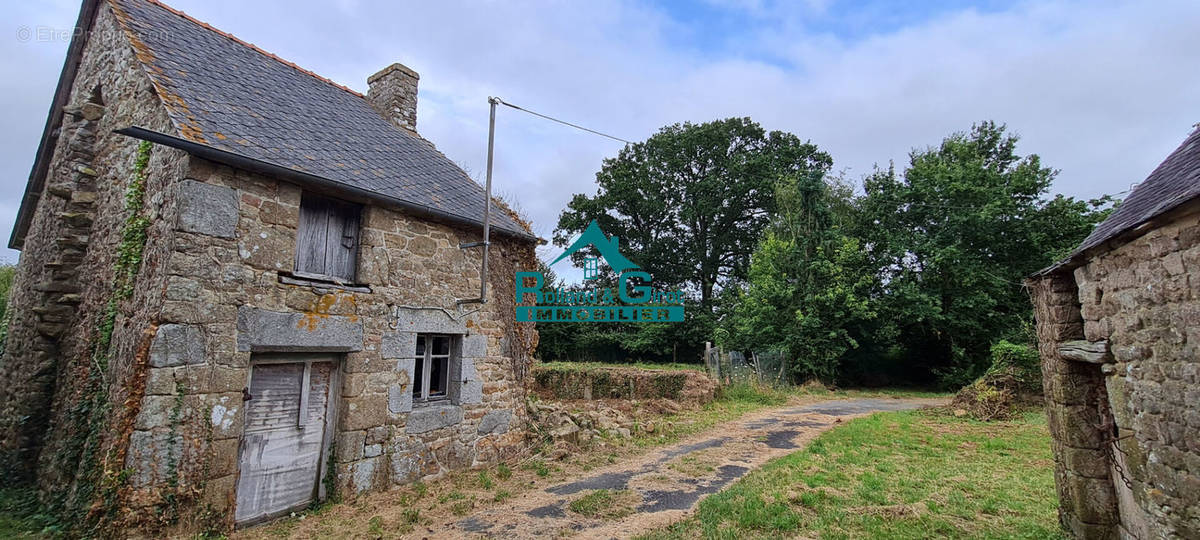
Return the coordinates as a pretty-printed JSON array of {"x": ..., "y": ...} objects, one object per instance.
[{"x": 95, "y": 494}]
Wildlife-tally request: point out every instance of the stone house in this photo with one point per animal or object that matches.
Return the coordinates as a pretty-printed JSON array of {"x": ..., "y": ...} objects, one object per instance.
[
  {"x": 1118, "y": 325},
  {"x": 242, "y": 287}
]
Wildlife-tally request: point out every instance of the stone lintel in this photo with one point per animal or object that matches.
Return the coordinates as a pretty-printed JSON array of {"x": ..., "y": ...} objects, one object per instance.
[{"x": 260, "y": 330}]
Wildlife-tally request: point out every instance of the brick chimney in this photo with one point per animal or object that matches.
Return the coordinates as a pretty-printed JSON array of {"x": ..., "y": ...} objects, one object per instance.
[{"x": 393, "y": 93}]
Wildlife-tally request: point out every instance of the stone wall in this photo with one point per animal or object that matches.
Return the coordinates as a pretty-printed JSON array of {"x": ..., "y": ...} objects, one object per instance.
[
  {"x": 1143, "y": 299},
  {"x": 1087, "y": 500},
  {"x": 211, "y": 289},
  {"x": 230, "y": 295},
  {"x": 392, "y": 92},
  {"x": 583, "y": 382},
  {"x": 65, "y": 276}
]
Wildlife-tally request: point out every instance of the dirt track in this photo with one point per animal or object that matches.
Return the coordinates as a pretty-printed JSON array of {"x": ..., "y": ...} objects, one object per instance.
[{"x": 672, "y": 480}]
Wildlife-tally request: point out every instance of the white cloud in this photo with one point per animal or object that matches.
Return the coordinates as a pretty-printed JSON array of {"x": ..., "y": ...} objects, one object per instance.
[{"x": 1102, "y": 91}]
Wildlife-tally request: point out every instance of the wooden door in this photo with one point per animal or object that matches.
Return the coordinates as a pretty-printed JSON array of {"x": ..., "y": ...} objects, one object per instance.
[{"x": 284, "y": 443}]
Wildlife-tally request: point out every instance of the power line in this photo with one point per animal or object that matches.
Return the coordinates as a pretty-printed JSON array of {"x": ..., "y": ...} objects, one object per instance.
[{"x": 563, "y": 122}]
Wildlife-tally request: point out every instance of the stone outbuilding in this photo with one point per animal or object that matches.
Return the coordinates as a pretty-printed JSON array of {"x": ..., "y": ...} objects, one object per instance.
[
  {"x": 1118, "y": 325},
  {"x": 244, "y": 288}
]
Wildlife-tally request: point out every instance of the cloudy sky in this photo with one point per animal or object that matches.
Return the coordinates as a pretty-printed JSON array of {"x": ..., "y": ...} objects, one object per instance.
[{"x": 1102, "y": 91}]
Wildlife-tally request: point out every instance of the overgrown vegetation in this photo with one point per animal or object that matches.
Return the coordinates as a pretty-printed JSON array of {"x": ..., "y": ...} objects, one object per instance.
[
  {"x": 93, "y": 481},
  {"x": 1014, "y": 379},
  {"x": 605, "y": 504},
  {"x": 7, "y": 273},
  {"x": 21, "y": 516},
  {"x": 574, "y": 381},
  {"x": 908, "y": 281},
  {"x": 912, "y": 474}
]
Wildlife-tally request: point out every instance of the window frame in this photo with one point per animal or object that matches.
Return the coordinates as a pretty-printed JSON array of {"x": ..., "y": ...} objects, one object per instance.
[
  {"x": 348, "y": 212},
  {"x": 423, "y": 364}
]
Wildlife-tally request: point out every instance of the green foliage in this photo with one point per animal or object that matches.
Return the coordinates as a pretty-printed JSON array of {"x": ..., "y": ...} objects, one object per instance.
[
  {"x": 7, "y": 273},
  {"x": 21, "y": 516},
  {"x": 485, "y": 480},
  {"x": 951, "y": 240},
  {"x": 751, "y": 393},
  {"x": 538, "y": 466},
  {"x": 1021, "y": 360},
  {"x": 91, "y": 414},
  {"x": 807, "y": 289},
  {"x": 688, "y": 205},
  {"x": 375, "y": 526},
  {"x": 910, "y": 281},
  {"x": 571, "y": 380}
]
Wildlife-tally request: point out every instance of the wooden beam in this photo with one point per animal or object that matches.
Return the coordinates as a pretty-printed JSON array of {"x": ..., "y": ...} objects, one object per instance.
[{"x": 1093, "y": 352}]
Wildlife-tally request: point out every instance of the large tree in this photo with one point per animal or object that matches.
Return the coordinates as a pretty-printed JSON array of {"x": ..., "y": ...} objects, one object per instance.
[
  {"x": 690, "y": 202},
  {"x": 809, "y": 285},
  {"x": 953, "y": 237}
]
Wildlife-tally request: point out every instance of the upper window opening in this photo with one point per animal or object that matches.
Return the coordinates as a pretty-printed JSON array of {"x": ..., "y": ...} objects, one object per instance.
[{"x": 327, "y": 238}]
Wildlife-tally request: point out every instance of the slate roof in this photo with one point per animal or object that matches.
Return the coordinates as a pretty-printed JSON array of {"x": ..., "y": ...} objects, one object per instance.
[
  {"x": 1174, "y": 182},
  {"x": 232, "y": 96}
]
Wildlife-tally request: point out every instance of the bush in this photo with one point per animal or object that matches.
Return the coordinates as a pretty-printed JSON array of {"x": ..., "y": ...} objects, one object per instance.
[
  {"x": 1022, "y": 361},
  {"x": 1014, "y": 377}
]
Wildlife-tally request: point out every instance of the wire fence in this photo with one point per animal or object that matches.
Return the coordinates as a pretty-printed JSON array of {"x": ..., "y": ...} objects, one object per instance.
[{"x": 763, "y": 367}]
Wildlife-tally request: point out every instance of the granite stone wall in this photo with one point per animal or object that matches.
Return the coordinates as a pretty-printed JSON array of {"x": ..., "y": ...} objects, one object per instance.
[
  {"x": 65, "y": 275},
  {"x": 1141, "y": 301},
  {"x": 212, "y": 289},
  {"x": 230, "y": 294},
  {"x": 393, "y": 93}
]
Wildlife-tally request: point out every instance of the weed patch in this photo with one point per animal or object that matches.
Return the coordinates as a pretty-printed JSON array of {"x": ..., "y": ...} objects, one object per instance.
[{"x": 606, "y": 504}]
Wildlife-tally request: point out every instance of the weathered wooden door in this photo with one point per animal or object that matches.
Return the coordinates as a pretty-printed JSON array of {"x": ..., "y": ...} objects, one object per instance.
[{"x": 284, "y": 444}]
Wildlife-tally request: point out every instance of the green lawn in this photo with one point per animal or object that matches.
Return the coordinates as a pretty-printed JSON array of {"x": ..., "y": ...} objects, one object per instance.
[{"x": 912, "y": 474}]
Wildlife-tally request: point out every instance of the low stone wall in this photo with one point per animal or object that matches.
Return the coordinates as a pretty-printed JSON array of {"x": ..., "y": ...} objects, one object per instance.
[{"x": 591, "y": 382}]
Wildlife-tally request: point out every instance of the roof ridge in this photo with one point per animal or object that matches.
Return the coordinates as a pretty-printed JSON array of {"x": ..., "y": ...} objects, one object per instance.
[{"x": 254, "y": 47}]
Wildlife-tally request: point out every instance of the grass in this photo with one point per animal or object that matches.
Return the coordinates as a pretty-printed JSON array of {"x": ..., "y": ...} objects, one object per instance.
[
  {"x": 485, "y": 481},
  {"x": 467, "y": 491},
  {"x": 911, "y": 474},
  {"x": 738, "y": 399},
  {"x": 605, "y": 504},
  {"x": 692, "y": 465}
]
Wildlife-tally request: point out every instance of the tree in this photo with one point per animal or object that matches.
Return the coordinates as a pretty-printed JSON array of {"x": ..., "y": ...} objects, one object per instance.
[
  {"x": 807, "y": 287},
  {"x": 689, "y": 205},
  {"x": 952, "y": 239},
  {"x": 690, "y": 202}
]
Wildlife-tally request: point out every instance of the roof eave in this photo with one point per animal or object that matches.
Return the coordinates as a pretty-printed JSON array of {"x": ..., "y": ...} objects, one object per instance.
[
  {"x": 1077, "y": 258},
  {"x": 307, "y": 179},
  {"x": 41, "y": 161}
]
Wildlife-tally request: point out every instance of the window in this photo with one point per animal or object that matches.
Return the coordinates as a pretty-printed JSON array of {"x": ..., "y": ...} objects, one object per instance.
[
  {"x": 327, "y": 238},
  {"x": 431, "y": 377}
]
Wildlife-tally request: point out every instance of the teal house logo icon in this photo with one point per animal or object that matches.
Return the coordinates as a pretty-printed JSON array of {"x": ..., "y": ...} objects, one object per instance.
[
  {"x": 609, "y": 248},
  {"x": 634, "y": 299}
]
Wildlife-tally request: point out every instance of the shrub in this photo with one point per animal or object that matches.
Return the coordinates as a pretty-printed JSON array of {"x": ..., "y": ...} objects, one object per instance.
[
  {"x": 1014, "y": 377},
  {"x": 1021, "y": 361}
]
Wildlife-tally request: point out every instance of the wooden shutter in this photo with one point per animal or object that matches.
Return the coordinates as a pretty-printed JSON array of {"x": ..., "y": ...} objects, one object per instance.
[{"x": 327, "y": 238}]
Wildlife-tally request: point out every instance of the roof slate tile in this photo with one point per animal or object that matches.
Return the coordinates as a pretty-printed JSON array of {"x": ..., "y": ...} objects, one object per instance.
[{"x": 290, "y": 117}]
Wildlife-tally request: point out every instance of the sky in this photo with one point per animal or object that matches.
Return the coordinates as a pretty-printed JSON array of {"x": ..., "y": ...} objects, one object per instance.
[{"x": 1102, "y": 91}]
